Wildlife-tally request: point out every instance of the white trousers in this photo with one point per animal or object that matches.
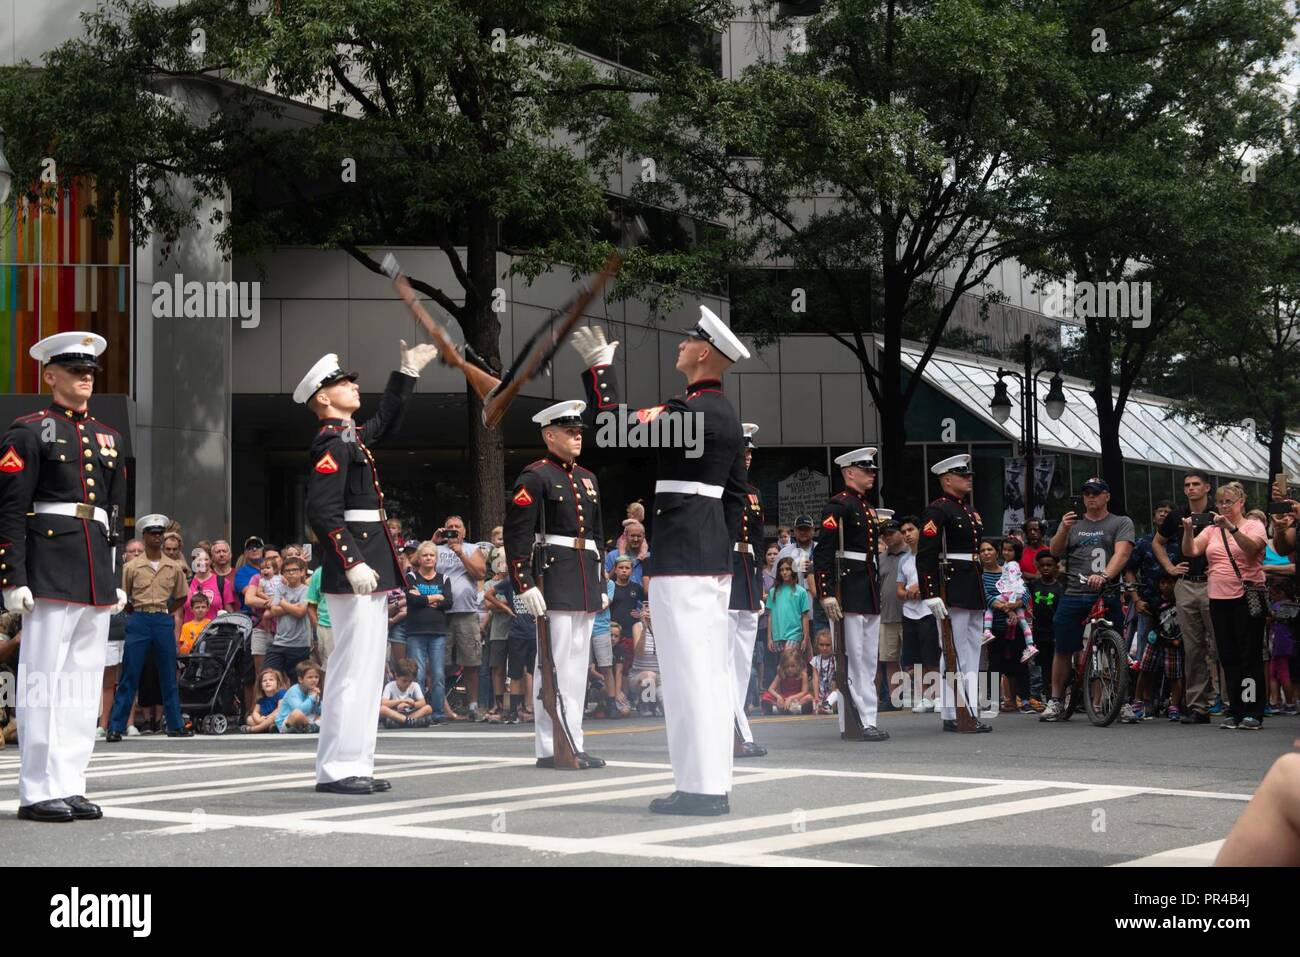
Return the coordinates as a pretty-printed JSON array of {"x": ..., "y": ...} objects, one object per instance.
[
  {"x": 862, "y": 646},
  {"x": 571, "y": 649},
  {"x": 59, "y": 680},
  {"x": 349, "y": 718},
  {"x": 967, "y": 630},
  {"x": 742, "y": 629},
  {"x": 690, "y": 626}
]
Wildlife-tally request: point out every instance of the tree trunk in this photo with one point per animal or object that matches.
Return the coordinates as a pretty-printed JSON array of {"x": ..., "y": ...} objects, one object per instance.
[
  {"x": 1276, "y": 439},
  {"x": 893, "y": 429},
  {"x": 487, "y": 459},
  {"x": 1103, "y": 397}
]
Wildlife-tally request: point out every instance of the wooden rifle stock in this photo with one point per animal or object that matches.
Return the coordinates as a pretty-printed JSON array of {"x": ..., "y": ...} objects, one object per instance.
[
  {"x": 965, "y": 717},
  {"x": 852, "y": 720},
  {"x": 566, "y": 755},
  {"x": 448, "y": 354}
]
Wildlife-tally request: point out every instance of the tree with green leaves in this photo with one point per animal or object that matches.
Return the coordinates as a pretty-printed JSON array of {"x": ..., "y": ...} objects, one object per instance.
[
  {"x": 475, "y": 127},
  {"x": 1137, "y": 200},
  {"x": 1246, "y": 362},
  {"x": 911, "y": 122}
]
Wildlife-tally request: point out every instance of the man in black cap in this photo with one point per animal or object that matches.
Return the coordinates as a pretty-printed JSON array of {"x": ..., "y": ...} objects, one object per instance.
[
  {"x": 1096, "y": 546},
  {"x": 345, "y": 508},
  {"x": 62, "y": 493},
  {"x": 553, "y": 513},
  {"x": 746, "y": 603},
  {"x": 699, "y": 497},
  {"x": 951, "y": 530}
]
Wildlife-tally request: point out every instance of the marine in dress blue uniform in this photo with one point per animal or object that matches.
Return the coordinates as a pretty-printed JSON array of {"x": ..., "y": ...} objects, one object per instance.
[
  {"x": 697, "y": 512},
  {"x": 62, "y": 492},
  {"x": 746, "y": 602},
  {"x": 848, "y": 540},
  {"x": 345, "y": 508},
  {"x": 951, "y": 528},
  {"x": 553, "y": 518}
]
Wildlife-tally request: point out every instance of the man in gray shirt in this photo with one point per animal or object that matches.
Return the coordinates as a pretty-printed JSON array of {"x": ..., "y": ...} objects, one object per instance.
[
  {"x": 464, "y": 567},
  {"x": 1096, "y": 547},
  {"x": 891, "y": 606}
]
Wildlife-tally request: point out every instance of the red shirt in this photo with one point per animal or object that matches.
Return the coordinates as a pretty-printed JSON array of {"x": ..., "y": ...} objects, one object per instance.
[{"x": 1029, "y": 559}]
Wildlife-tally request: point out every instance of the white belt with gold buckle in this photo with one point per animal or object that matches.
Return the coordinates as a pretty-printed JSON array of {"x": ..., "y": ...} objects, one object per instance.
[
  {"x": 568, "y": 542},
  {"x": 82, "y": 510}
]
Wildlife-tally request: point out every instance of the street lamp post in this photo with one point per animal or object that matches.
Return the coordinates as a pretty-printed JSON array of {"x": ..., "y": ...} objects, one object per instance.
[{"x": 1001, "y": 409}]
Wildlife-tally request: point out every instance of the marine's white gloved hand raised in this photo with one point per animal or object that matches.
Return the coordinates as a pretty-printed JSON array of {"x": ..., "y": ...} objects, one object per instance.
[
  {"x": 590, "y": 343},
  {"x": 121, "y": 602},
  {"x": 534, "y": 601},
  {"x": 19, "y": 600},
  {"x": 415, "y": 358},
  {"x": 937, "y": 608},
  {"x": 832, "y": 608},
  {"x": 362, "y": 578},
  {"x": 604, "y": 601}
]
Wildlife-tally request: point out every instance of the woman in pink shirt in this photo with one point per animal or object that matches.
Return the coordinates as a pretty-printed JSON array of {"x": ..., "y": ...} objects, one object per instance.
[{"x": 1236, "y": 540}]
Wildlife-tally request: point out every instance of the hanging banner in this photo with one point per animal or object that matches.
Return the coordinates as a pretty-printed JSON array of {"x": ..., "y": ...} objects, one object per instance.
[
  {"x": 1013, "y": 488},
  {"x": 802, "y": 493}
]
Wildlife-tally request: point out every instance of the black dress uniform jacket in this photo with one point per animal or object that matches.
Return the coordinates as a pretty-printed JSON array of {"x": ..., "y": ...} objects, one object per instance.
[
  {"x": 860, "y": 585},
  {"x": 58, "y": 455},
  {"x": 557, "y": 499},
  {"x": 963, "y": 528},
  {"x": 343, "y": 477},
  {"x": 690, "y": 534},
  {"x": 746, "y": 563}
]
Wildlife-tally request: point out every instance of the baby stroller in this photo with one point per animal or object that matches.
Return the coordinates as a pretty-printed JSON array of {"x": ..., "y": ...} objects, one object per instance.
[{"x": 209, "y": 681}]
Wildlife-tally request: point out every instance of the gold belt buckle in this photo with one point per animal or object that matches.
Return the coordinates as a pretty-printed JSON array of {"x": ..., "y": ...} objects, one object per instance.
[
  {"x": 579, "y": 543},
  {"x": 743, "y": 547},
  {"x": 85, "y": 510},
  {"x": 383, "y": 516}
]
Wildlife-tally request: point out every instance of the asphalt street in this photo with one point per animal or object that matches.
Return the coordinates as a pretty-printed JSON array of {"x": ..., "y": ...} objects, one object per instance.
[{"x": 1028, "y": 794}]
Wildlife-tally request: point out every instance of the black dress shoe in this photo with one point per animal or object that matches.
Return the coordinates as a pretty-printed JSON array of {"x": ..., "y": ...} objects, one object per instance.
[
  {"x": 1194, "y": 717},
  {"x": 112, "y": 737},
  {"x": 379, "y": 784},
  {"x": 872, "y": 733},
  {"x": 352, "y": 785},
  {"x": 83, "y": 810},
  {"x": 549, "y": 762},
  {"x": 982, "y": 728},
  {"x": 749, "y": 749},
  {"x": 55, "y": 810},
  {"x": 949, "y": 725},
  {"x": 699, "y": 805},
  {"x": 586, "y": 760},
  {"x": 180, "y": 732}
]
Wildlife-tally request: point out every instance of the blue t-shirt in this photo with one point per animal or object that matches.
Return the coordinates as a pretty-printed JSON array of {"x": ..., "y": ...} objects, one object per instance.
[
  {"x": 266, "y": 705},
  {"x": 523, "y": 627},
  {"x": 243, "y": 575}
]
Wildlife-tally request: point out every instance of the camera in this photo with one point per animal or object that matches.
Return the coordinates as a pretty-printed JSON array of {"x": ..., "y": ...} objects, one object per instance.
[
  {"x": 1279, "y": 508},
  {"x": 1202, "y": 519},
  {"x": 450, "y": 533}
]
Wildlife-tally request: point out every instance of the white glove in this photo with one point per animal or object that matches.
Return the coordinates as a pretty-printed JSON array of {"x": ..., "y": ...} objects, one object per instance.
[
  {"x": 761, "y": 606},
  {"x": 121, "y": 602},
  {"x": 937, "y": 608},
  {"x": 415, "y": 358},
  {"x": 19, "y": 600},
  {"x": 832, "y": 608},
  {"x": 362, "y": 578},
  {"x": 534, "y": 601},
  {"x": 604, "y": 601},
  {"x": 591, "y": 345}
]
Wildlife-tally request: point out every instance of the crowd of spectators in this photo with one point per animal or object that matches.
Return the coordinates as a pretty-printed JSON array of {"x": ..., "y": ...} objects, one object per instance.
[{"x": 1209, "y": 607}]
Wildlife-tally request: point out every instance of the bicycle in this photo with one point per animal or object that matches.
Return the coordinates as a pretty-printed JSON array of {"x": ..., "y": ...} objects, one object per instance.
[{"x": 1101, "y": 667}]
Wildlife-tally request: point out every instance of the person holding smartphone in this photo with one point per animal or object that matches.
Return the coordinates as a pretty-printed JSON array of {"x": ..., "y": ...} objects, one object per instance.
[{"x": 1191, "y": 595}]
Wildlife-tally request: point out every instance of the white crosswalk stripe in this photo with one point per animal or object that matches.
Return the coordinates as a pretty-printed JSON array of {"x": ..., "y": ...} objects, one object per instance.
[{"x": 192, "y": 790}]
